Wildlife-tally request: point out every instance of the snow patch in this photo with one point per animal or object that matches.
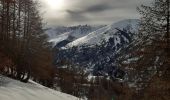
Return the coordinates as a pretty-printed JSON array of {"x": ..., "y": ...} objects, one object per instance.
[{"x": 14, "y": 90}]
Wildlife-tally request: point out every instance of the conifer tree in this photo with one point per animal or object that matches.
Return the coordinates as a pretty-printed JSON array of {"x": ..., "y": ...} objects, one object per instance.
[
  {"x": 149, "y": 55},
  {"x": 155, "y": 17}
]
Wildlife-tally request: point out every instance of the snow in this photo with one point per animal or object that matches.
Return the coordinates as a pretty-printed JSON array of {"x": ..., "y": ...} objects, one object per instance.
[
  {"x": 51, "y": 33},
  {"x": 91, "y": 38},
  {"x": 104, "y": 33},
  {"x": 14, "y": 90},
  {"x": 59, "y": 38},
  {"x": 58, "y": 34},
  {"x": 130, "y": 60}
]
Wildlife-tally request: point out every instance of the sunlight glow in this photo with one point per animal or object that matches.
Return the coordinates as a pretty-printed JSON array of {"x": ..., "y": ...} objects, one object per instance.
[{"x": 56, "y": 4}]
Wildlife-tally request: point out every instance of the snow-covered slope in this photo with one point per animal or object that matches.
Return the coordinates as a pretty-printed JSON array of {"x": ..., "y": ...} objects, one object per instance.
[
  {"x": 14, "y": 90},
  {"x": 59, "y": 34},
  {"x": 59, "y": 38},
  {"x": 104, "y": 33}
]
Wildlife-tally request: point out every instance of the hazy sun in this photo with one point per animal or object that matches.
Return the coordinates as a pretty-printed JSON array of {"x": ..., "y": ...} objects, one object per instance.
[{"x": 56, "y": 4}]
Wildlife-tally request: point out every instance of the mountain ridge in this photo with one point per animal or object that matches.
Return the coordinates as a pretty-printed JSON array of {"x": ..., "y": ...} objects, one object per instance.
[{"x": 99, "y": 57}]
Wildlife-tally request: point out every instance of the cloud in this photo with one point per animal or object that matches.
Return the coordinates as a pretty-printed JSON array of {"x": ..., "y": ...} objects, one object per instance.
[
  {"x": 98, "y": 8},
  {"x": 76, "y": 15},
  {"x": 80, "y": 15},
  {"x": 94, "y": 12}
]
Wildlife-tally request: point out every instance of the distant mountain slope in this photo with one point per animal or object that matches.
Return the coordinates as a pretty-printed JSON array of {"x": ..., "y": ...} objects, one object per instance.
[
  {"x": 14, "y": 90},
  {"x": 104, "y": 33},
  {"x": 96, "y": 52},
  {"x": 60, "y": 34}
]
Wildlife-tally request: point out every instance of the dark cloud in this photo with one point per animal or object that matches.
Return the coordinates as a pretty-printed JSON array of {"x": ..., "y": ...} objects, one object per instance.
[
  {"x": 79, "y": 15},
  {"x": 76, "y": 15},
  {"x": 98, "y": 8},
  {"x": 92, "y": 9}
]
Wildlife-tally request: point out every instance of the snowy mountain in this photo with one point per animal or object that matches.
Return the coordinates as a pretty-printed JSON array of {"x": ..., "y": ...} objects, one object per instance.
[
  {"x": 14, "y": 90},
  {"x": 96, "y": 52},
  {"x": 62, "y": 34},
  {"x": 105, "y": 33}
]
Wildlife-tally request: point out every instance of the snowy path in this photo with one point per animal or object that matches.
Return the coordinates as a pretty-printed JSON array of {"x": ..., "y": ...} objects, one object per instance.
[{"x": 14, "y": 90}]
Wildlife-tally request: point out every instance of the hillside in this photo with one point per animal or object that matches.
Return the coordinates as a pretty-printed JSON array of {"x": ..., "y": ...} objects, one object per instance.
[
  {"x": 58, "y": 35},
  {"x": 96, "y": 51},
  {"x": 14, "y": 90},
  {"x": 105, "y": 33}
]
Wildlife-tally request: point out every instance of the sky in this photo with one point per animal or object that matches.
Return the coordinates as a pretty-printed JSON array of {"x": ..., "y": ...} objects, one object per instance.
[{"x": 91, "y": 12}]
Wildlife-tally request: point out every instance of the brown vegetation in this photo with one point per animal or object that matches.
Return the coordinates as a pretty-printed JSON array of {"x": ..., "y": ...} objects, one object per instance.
[{"x": 24, "y": 52}]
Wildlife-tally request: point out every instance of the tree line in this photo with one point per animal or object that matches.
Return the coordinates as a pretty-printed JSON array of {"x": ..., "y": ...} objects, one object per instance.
[
  {"x": 24, "y": 52},
  {"x": 151, "y": 71}
]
